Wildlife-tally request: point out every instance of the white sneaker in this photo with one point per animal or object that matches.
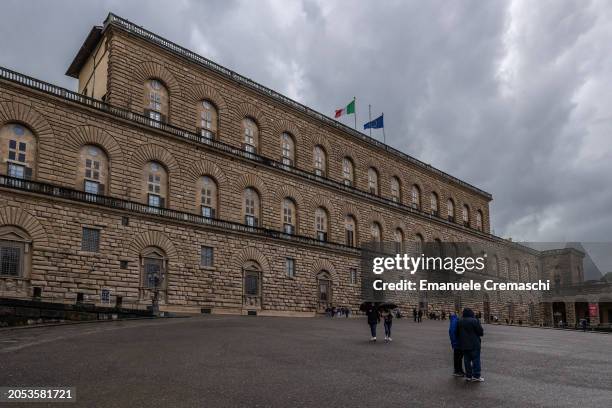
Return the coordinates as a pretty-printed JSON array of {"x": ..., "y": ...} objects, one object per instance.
[
  {"x": 373, "y": 339},
  {"x": 386, "y": 338},
  {"x": 477, "y": 379},
  {"x": 389, "y": 339}
]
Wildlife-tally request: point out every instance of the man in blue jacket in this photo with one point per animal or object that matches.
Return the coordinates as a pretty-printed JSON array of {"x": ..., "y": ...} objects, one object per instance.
[
  {"x": 457, "y": 353},
  {"x": 469, "y": 331}
]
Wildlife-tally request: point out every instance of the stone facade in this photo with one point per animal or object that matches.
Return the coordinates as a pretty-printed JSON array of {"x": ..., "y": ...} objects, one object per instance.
[{"x": 52, "y": 221}]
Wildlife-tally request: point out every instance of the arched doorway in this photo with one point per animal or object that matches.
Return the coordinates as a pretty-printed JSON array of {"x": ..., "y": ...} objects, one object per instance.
[
  {"x": 559, "y": 314},
  {"x": 324, "y": 291},
  {"x": 251, "y": 277}
]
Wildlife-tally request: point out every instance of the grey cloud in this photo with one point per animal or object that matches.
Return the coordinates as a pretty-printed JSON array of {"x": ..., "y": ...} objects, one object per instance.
[{"x": 513, "y": 97}]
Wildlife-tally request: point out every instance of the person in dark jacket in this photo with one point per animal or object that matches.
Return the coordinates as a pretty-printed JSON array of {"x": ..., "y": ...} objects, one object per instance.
[
  {"x": 414, "y": 314},
  {"x": 373, "y": 319},
  {"x": 469, "y": 331},
  {"x": 457, "y": 353},
  {"x": 420, "y": 316}
]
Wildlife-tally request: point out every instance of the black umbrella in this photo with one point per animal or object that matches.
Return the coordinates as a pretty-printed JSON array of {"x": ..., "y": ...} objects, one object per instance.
[
  {"x": 387, "y": 306},
  {"x": 365, "y": 305}
]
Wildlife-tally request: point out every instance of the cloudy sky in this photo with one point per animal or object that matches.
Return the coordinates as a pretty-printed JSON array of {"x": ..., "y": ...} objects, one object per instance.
[{"x": 514, "y": 97}]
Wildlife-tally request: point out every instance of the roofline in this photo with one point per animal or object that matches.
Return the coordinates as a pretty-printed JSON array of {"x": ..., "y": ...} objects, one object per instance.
[
  {"x": 128, "y": 26},
  {"x": 85, "y": 51}
]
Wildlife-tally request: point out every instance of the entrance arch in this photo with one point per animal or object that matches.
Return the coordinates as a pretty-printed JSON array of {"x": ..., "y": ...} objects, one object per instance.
[
  {"x": 324, "y": 291},
  {"x": 251, "y": 283}
]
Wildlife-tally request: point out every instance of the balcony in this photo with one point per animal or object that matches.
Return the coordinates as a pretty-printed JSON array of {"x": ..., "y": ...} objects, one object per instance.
[{"x": 252, "y": 227}]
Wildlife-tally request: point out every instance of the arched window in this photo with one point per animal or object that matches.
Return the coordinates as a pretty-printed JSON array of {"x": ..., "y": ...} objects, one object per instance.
[
  {"x": 494, "y": 266},
  {"x": 450, "y": 207},
  {"x": 18, "y": 151},
  {"x": 15, "y": 252},
  {"x": 289, "y": 216},
  {"x": 348, "y": 171},
  {"x": 398, "y": 237},
  {"x": 250, "y": 135},
  {"x": 525, "y": 276},
  {"x": 92, "y": 170},
  {"x": 319, "y": 161},
  {"x": 207, "y": 120},
  {"x": 250, "y": 207},
  {"x": 156, "y": 101},
  {"x": 287, "y": 149},
  {"x": 373, "y": 181},
  {"x": 504, "y": 269},
  {"x": 321, "y": 223},
  {"x": 156, "y": 185},
  {"x": 350, "y": 228},
  {"x": 208, "y": 197},
  {"x": 419, "y": 240},
  {"x": 376, "y": 232},
  {"x": 435, "y": 209},
  {"x": 465, "y": 215},
  {"x": 154, "y": 263},
  {"x": 517, "y": 271},
  {"x": 416, "y": 197},
  {"x": 396, "y": 190},
  {"x": 479, "y": 220}
]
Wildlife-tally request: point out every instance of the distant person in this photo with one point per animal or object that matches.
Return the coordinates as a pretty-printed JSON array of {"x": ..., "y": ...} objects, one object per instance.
[
  {"x": 443, "y": 315},
  {"x": 457, "y": 353},
  {"x": 373, "y": 319},
  {"x": 583, "y": 324},
  {"x": 469, "y": 331},
  {"x": 388, "y": 322},
  {"x": 420, "y": 316},
  {"x": 414, "y": 314}
]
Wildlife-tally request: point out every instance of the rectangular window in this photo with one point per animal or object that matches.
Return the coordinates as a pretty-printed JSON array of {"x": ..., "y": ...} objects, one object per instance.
[
  {"x": 206, "y": 258},
  {"x": 250, "y": 220},
  {"x": 251, "y": 284},
  {"x": 10, "y": 258},
  {"x": 15, "y": 153},
  {"x": 290, "y": 267},
  {"x": 123, "y": 264},
  {"x": 349, "y": 238},
  {"x": 105, "y": 296},
  {"x": 16, "y": 170},
  {"x": 154, "y": 200},
  {"x": 152, "y": 272},
  {"x": 353, "y": 272},
  {"x": 92, "y": 187},
  {"x": 208, "y": 212},
  {"x": 91, "y": 240}
]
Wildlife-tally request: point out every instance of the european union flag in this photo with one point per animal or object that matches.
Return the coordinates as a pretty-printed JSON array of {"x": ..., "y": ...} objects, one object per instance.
[{"x": 375, "y": 124}]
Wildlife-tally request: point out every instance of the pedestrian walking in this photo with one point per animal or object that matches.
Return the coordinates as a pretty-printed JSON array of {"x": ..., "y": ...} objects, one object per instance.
[
  {"x": 457, "y": 353},
  {"x": 387, "y": 322},
  {"x": 469, "y": 331},
  {"x": 420, "y": 316},
  {"x": 414, "y": 314},
  {"x": 373, "y": 319}
]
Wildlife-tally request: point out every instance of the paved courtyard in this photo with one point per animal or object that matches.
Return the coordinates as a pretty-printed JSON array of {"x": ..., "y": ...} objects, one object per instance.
[{"x": 231, "y": 361}]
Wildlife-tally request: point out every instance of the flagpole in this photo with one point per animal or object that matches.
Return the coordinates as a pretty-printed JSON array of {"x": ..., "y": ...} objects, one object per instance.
[
  {"x": 355, "y": 104},
  {"x": 384, "y": 137},
  {"x": 370, "y": 117}
]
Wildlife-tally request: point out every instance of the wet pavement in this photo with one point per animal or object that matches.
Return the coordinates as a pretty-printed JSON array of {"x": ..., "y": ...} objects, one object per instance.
[{"x": 232, "y": 361}]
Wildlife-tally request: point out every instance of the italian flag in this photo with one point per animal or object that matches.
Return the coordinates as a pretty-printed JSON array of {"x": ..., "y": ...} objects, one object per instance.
[{"x": 350, "y": 108}]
